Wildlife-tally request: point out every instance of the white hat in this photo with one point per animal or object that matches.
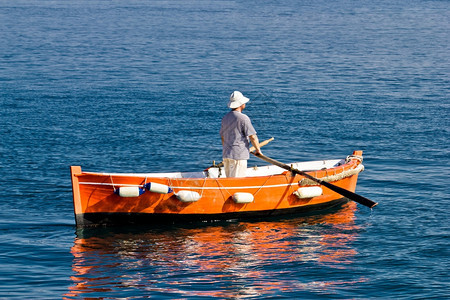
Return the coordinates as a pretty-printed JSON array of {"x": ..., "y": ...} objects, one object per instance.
[{"x": 237, "y": 99}]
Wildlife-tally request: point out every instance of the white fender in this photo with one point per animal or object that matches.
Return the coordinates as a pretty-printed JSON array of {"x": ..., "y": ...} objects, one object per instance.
[
  {"x": 129, "y": 191},
  {"x": 188, "y": 196},
  {"x": 308, "y": 192},
  {"x": 158, "y": 188},
  {"x": 243, "y": 198}
]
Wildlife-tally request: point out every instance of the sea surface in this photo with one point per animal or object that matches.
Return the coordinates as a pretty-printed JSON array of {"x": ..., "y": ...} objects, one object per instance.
[{"x": 141, "y": 86}]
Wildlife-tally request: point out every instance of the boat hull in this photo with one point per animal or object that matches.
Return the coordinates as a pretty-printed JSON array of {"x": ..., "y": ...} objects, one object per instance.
[
  {"x": 114, "y": 219},
  {"x": 97, "y": 201}
]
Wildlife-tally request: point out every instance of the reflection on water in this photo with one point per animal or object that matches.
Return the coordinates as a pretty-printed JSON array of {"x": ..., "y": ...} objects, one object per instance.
[{"x": 232, "y": 260}]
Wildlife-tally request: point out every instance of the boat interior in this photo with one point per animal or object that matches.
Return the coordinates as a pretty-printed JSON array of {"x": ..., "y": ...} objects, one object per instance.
[
  {"x": 255, "y": 171},
  {"x": 269, "y": 170}
]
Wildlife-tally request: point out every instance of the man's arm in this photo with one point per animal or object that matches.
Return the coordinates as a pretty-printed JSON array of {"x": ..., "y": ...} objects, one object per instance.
[{"x": 255, "y": 143}]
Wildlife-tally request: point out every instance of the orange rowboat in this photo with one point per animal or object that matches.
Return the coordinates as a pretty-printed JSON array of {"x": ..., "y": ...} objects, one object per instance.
[{"x": 130, "y": 198}]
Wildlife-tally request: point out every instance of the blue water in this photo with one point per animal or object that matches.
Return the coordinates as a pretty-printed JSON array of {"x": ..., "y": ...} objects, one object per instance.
[{"x": 141, "y": 86}]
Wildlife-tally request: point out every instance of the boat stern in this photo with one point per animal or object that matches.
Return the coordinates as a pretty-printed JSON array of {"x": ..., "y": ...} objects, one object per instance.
[{"x": 75, "y": 171}]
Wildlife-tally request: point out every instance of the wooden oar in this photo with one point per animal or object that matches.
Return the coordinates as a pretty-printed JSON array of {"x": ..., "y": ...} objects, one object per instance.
[
  {"x": 346, "y": 193},
  {"x": 263, "y": 143}
]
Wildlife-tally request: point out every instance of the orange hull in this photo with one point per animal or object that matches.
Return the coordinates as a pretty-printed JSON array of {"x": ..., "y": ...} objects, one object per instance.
[{"x": 109, "y": 199}]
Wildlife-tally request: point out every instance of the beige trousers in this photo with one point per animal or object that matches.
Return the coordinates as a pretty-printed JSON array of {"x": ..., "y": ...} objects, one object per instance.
[{"x": 235, "y": 168}]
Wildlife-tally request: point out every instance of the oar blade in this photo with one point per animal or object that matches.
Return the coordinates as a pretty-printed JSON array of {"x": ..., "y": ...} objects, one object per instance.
[{"x": 350, "y": 195}]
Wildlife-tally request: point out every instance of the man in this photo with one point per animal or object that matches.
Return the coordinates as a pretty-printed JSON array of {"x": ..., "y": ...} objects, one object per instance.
[{"x": 236, "y": 130}]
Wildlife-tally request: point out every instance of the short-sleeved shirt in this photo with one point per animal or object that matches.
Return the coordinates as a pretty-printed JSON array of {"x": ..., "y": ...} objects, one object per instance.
[{"x": 235, "y": 130}]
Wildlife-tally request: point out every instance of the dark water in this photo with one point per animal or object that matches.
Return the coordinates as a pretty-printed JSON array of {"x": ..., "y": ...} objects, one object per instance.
[{"x": 140, "y": 86}]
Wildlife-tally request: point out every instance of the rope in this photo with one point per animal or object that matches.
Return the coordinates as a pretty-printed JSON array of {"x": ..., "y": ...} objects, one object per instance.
[
  {"x": 203, "y": 187},
  {"x": 110, "y": 177},
  {"x": 170, "y": 184},
  {"x": 221, "y": 186},
  {"x": 262, "y": 186},
  {"x": 357, "y": 157},
  {"x": 145, "y": 181},
  {"x": 331, "y": 178}
]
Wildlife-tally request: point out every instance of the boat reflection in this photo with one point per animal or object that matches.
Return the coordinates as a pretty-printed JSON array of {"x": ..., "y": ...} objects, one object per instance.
[{"x": 226, "y": 260}]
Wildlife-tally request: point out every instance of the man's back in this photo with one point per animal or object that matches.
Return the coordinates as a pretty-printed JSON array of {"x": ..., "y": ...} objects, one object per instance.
[{"x": 235, "y": 130}]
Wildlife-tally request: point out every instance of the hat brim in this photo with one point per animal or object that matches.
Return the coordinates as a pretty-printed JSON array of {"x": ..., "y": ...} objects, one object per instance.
[{"x": 236, "y": 104}]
